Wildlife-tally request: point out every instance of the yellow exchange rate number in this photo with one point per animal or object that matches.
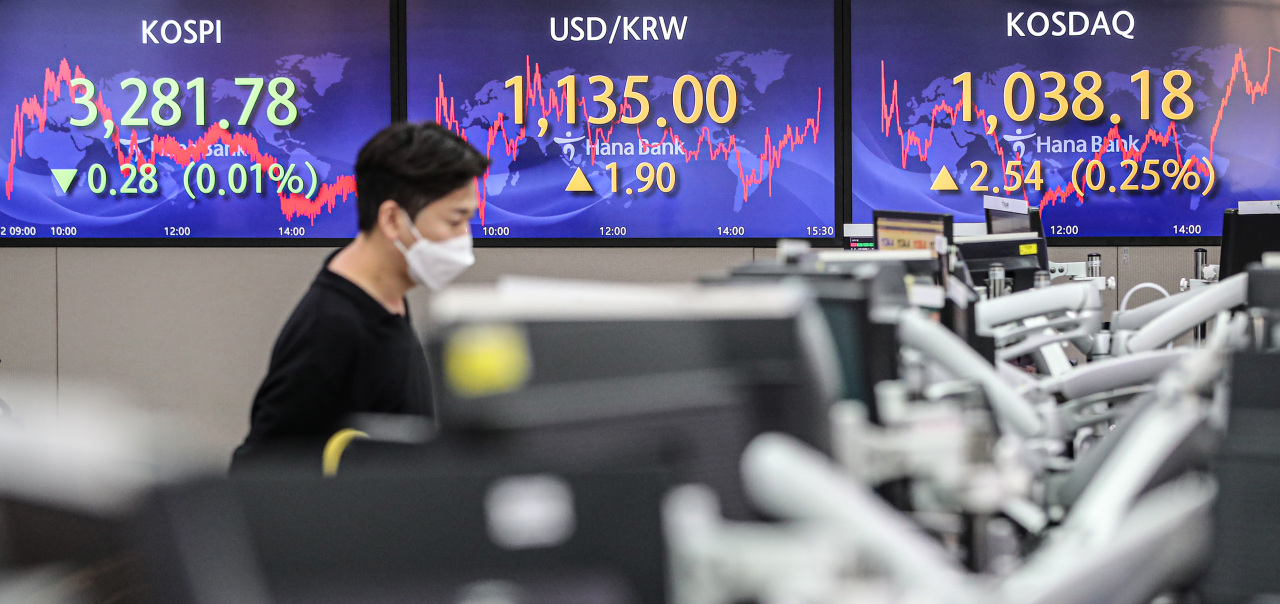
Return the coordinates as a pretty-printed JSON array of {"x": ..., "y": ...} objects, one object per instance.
[{"x": 718, "y": 99}]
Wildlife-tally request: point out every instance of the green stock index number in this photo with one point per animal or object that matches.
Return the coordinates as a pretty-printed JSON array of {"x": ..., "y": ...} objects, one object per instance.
[{"x": 165, "y": 110}]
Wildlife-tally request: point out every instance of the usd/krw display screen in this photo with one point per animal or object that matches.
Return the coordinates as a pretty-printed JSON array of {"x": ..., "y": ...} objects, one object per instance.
[
  {"x": 188, "y": 119},
  {"x": 655, "y": 119},
  {"x": 1137, "y": 119}
]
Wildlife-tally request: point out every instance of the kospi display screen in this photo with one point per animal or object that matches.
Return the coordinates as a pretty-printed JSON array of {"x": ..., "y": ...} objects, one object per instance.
[
  {"x": 1118, "y": 120},
  {"x": 661, "y": 119},
  {"x": 188, "y": 119}
]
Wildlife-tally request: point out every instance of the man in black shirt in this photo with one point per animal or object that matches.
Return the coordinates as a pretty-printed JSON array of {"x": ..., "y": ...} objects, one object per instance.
[{"x": 349, "y": 346}]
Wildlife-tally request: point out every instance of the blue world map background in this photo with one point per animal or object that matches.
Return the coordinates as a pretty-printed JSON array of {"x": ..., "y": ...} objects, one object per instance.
[
  {"x": 1200, "y": 38},
  {"x": 778, "y": 59},
  {"x": 335, "y": 54}
]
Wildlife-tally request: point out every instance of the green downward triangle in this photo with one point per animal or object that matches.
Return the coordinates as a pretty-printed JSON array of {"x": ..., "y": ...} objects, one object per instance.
[{"x": 65, "y": 177}]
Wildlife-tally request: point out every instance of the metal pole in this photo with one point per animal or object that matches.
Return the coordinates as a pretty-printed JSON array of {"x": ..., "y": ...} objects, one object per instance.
[
  {"x": 1201, "y": 259},
  {"x": 1042, "y": 280},
  {"x": 995, "y": 280}
]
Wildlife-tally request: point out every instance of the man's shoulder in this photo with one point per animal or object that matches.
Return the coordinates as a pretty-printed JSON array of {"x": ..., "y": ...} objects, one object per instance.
[{"x": 326, "y": 311}]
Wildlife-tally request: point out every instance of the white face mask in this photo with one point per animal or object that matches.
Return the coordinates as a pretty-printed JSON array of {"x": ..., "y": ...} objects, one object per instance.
[{"x": 434, "y": 264}]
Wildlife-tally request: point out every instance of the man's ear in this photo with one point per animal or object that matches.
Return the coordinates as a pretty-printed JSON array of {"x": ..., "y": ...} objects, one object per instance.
[{"x": 389, "y": 219}]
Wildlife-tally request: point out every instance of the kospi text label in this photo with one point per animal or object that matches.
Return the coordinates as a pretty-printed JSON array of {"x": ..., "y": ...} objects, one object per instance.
[{"x": 191, "y": 31}]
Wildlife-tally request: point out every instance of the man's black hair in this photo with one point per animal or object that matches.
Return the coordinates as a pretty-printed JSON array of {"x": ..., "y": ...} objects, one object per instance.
[{"x": 413, "y": 165}]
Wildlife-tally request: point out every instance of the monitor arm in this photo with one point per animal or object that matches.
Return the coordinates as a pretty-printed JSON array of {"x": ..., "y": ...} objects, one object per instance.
[
  {"x": 1195, "y": 307},
  {"x": 1026, "y": 321},
  {"x": 939, "y": 345},
  {"x": 1078, "y": 272},
  {"x": 789, "y": 480},
  {"x": 1111, "y": 374},
  {"x": 1159, "y": 539}
]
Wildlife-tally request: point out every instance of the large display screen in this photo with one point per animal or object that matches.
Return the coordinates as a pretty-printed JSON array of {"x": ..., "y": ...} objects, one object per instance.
[
  {"x": 655, "y": 119},
  {"x": 188, "y": 119},
  {"x": 1135, "y": 119}
]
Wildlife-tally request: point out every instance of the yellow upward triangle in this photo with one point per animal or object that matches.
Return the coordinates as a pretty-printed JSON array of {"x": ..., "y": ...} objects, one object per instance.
[
  {"x": 579, "y": 183},
  {"x": 945, "y": 181}
]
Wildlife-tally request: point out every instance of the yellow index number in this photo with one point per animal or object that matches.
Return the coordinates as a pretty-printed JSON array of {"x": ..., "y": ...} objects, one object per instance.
[
  {"x": 1129, "y": 184},
  {"x": 1177, "y": 93},
  {"x": 1011, "y": 172},
  {"x": 977, "y": 185},
  {"x": 1060, "y": 84},
  {"x": 1034, "y": 176},
  {"x": 965, "y": 81},
  {"x": 1143, "y": 80},
  {"x": 1029, "y": 102},
  {"x": 1087, "y": 94}
]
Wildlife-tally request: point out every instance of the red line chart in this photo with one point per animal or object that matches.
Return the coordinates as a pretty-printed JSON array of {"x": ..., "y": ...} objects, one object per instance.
[
  {"x": 505, "y": 136},
  {"x": 34, "y": 110},
  {"x": 891, "y": 125}
]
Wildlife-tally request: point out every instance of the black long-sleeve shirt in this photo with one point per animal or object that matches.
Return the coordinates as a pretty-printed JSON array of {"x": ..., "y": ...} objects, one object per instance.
[{"x": 341, "y": 352}]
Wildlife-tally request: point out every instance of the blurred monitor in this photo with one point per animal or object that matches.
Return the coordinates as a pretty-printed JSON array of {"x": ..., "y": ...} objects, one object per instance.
[
  {"x": 999, "y": 223},
  {"x": 921, "y": 263},
  {"x": 1247, "y": 470},
  {"x": 1022, "y": 254},
  {"x": 466, "y": 534},
  {"x": 1246, "y": 236},
  {"x": 77, "y": 552},
  {"x": 847, "y": 293},
  {"x": 609, "y": 376},
  {"x": 1011, "y": 215},
  {"x": 896, "y": 230}
]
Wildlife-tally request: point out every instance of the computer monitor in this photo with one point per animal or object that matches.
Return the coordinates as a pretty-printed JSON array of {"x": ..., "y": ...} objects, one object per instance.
[
  {"x": 1246, "y": 236},
  {"x": 697, "y": 422},
  {"x": 614, "y": 372},
  {"x": 1022, "y": 254},
  {"x": 1246, "y": 469},
  {"x": 466, "y": 533},
  {"x": 1000, "y": 222},
  {"x": 847, "y": 293},
  {"x": 1011, "y": 215},
  {"x": 896, "y": 230}
]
